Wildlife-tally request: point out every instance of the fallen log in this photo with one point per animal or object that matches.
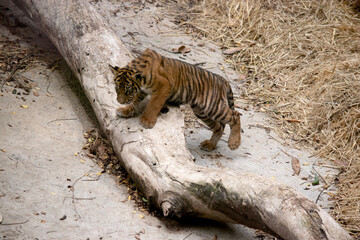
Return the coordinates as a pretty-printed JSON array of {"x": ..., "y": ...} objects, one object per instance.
[{"x": 157, "y": 159}]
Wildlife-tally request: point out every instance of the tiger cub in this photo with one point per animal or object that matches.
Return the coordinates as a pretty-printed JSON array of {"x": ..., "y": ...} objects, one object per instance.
[{"x": 171, "y": 81}]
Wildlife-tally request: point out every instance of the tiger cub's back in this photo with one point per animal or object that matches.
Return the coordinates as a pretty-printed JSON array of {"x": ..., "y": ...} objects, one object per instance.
[
  {"x": 177, "y": 82},
  {"x": 189, "y": 83},
  {"x": 197, "y": 86}
]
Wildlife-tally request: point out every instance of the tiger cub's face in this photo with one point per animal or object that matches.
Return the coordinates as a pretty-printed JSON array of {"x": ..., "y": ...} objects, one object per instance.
[{"x": 125, "y": 85}]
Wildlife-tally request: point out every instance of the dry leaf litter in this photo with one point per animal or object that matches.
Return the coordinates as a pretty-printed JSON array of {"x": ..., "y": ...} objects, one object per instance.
[
  {"x": 100, "y": 150},
  {"x": 302, "y": 66}
]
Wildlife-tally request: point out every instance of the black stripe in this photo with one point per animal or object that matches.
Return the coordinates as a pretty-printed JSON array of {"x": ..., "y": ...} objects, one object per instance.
[
  {"x": 218, "y": 114},
  {"x": 215, "y": 98},
  {"x": 202, "y": 85},
  {"x": 215, "y": 109},
  {"x": 224, "y": 117}
]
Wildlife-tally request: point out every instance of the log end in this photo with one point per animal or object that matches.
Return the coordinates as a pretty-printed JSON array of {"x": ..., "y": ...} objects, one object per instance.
[
  {"x": 166, "y": 208},
  {"x": 173, "y": 206}
]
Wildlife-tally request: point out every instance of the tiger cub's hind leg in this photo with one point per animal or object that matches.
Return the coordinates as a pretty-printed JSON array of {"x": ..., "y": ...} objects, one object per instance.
[
  {"x": 235, "y": 130},
  {"x": 218, "y": 130},
  {"x": 216, "y": 127}
]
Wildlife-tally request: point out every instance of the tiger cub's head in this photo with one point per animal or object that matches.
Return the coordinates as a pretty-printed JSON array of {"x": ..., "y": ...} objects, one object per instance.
[{"x": 126, "y": 84}]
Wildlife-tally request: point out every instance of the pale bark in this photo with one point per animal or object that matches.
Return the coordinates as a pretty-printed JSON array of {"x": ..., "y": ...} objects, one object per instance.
[{"x": 157, "y": 159}]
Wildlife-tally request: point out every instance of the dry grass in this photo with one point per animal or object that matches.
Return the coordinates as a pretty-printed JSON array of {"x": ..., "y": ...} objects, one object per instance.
[{"x": 302, "y": 62}]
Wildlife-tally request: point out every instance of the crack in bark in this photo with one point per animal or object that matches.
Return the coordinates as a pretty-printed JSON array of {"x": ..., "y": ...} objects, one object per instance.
[
  {"x": 125, "y": 143},
  {"x": 315, "y": 222},
  {"x": 173, "y": 178}
]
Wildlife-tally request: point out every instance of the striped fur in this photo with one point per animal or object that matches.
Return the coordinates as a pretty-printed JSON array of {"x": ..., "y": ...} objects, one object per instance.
[{"x": 176, "y": 82}]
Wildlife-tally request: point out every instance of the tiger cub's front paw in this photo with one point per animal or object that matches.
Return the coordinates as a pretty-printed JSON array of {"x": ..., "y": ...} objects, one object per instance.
[
  {"x": 147, "y": 122},
  {"x": 126, "y": 112}
]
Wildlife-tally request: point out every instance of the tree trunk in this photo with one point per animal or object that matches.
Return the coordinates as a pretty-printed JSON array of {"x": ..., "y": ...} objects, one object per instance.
[{"x": 157, "y": 159}]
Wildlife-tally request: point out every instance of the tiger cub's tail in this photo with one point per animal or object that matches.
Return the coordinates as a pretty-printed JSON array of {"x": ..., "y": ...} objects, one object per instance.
[{"x": 230, "y": 97}]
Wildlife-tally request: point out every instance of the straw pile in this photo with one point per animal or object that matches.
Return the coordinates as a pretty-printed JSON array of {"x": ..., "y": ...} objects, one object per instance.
[{"x": 301, "y": 60}]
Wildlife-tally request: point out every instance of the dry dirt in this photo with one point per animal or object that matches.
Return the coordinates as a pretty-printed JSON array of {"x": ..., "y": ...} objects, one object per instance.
[{"x": 51, "y": 189}]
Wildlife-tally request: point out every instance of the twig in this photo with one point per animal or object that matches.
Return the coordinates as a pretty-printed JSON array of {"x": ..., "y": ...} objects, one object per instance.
[
  {"x": 92, "y": 198},
  {"x": 92, "y": 179},
  {"x": 13, "y": 71},
  {"x": 8, "y": 224},
  {"x": 317, "y": 199},
  {"x": 318, "y": 172},
  {"x": 330, "y": 166},
  {"x": 132, "y": 16},
  {"x": 48, "y": 84},
  {"x": 287, "y": 153},
  {"x": 275, "y": 156},
  {"x": 258, "y": 125},
  {"x": 277, "y": 140},
  {"x": 73, "y": 195},
  {"x": 175, "y": 35},
  {"x": 199, "y": 63},
  {"x": 73, "y": 191},
  {"x": 352, "y": 229},
  {"x": 293, "y": 120},
  {"x": 61, "y": 119},
  {"x": 22, "y": 81}
]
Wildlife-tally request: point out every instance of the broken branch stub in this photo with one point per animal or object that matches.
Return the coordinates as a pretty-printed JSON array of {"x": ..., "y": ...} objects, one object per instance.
[{"x": 157, "y": 159}]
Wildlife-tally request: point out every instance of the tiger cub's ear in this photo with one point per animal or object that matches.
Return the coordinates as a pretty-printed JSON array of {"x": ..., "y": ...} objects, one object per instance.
[{"x": 115, "y": 69}]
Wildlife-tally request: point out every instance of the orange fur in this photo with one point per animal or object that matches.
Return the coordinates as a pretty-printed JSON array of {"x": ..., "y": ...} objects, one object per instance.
[{"x": 172, "y": 81}]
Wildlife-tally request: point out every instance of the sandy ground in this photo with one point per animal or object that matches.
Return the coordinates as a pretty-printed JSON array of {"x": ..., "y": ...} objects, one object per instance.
[{"x": 49, "y": 189}]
